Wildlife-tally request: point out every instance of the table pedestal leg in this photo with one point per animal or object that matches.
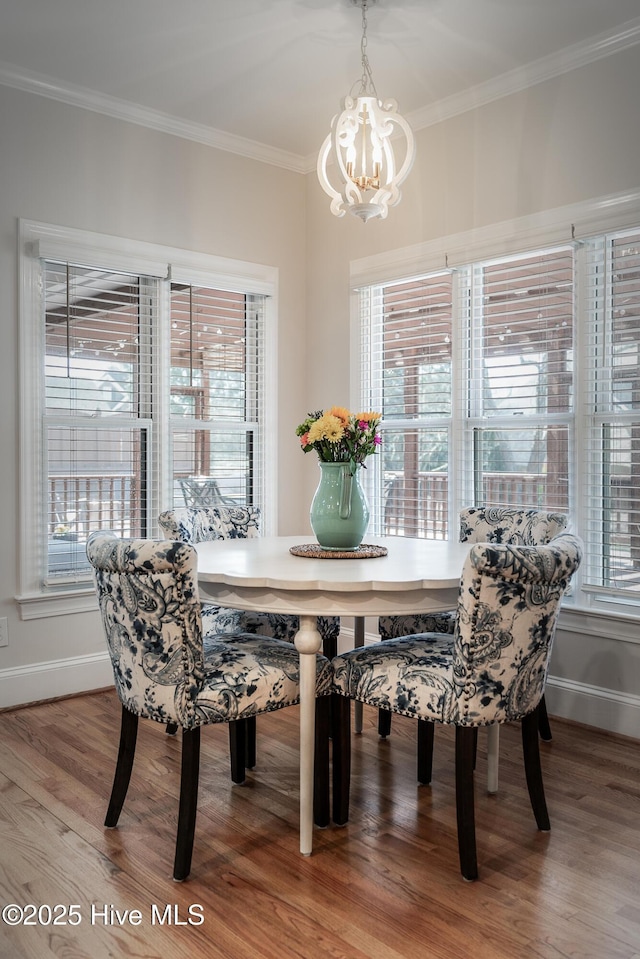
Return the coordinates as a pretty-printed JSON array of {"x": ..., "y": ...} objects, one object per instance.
[
  {"x": 493, "y": 750},
  {"x": 308, "y": 642},
  {"x": 358, "y": 640}
]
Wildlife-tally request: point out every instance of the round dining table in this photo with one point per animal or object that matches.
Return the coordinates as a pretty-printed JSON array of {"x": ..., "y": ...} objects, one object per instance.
[{"x": 261, "y": 573}]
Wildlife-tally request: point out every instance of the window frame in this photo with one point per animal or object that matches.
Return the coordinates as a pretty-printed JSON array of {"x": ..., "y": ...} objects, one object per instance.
[{"x": 41, "y": 241}]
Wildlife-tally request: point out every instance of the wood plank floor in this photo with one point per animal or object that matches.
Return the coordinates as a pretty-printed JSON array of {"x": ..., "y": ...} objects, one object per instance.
[{"x": 386, "y": 886}]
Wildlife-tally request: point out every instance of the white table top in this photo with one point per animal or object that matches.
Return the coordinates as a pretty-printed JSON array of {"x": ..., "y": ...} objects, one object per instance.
[{"x": 260, "y": 573}]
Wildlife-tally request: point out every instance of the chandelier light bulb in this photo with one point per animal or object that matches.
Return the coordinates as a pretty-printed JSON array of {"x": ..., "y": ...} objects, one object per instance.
[{"x": 358, "y": 166}]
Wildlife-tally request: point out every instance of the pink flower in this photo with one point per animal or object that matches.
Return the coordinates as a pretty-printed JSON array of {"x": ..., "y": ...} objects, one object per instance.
[{"x": 377, "y": 440}]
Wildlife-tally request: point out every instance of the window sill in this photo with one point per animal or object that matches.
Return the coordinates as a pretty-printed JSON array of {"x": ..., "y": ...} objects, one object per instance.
[
  {"x": 620, "y": 627},
  {"x": 43, "y": 605}
]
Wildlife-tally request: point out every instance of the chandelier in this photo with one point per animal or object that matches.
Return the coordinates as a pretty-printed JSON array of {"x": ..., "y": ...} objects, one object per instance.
[{"x": 357, "y": 166}]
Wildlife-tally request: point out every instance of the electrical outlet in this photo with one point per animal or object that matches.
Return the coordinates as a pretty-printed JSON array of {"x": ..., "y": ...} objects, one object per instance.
[{"x": 4, "y": 631}]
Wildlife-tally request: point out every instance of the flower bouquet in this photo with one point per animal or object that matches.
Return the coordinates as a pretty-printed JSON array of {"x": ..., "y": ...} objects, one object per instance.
[{"x": 338, "y": 436}]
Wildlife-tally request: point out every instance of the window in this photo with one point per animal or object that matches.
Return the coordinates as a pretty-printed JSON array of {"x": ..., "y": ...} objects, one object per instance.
[
  {"x": 512, "y": 381},
  {"x": 518, "y": 377},
  {"x": 98, "y": 409},
  {"x": 612, "y": 522},
  {"x": 408, "y": 375},
  {"x": 139, "y": 393},
  {"x": 216, "y": 394}
]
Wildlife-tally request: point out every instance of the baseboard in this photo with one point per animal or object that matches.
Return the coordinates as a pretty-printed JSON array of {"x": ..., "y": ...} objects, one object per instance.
[
  {"x": 608, "y": 709},
  {"x": 61, "y": 677}
]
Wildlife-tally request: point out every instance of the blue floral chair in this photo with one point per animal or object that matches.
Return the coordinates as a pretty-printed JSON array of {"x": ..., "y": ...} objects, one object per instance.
[
  {"x": 495, "y": 524},
  {"x": 195, "y": 525},
  {"x": 164, "y": 671},
  {"x": 491, "y": 670}
]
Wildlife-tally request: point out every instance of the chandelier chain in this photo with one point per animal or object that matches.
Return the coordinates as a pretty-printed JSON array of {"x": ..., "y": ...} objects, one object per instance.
[{"x": 367, "y": 86}]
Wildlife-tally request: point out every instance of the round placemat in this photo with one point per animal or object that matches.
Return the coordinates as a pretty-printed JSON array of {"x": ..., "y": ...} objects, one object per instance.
[{"x": 314, "y": 551}]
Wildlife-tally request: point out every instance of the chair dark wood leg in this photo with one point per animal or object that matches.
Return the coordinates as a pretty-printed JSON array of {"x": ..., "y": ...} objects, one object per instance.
[
  {"x": 330, "y": 646},
  {"x": 252, "y": 732},
  {"x": 384, "y": 723},
  {"x": 425, "y": 751},
  {"x": 359, "y": 623},
  {"x": 341, "y": 733},
  {"x": 124, "y": 765},
  {"x": 543, "y": 722},
  {"x": 329, "y": 649},
  {"x": 465, "y": 811},
  {"x": 321, "y": 798},
  {"x": 238, "y": 749},
  {"x": 172, "y": 729},
  {"x": 533, "y": 770},
  {"x": 189, "y": 776}
]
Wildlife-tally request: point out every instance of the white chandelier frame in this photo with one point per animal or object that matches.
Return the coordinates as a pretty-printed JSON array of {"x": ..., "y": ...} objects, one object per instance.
[{"x": 357, "y": 165}]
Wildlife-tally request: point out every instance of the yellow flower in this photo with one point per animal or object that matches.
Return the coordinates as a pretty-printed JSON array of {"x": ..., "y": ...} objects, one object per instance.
[
  {"x": 328, "y": 427},
  {"x": 341, "y": 413},
  {"x": 368, "y": 417}
]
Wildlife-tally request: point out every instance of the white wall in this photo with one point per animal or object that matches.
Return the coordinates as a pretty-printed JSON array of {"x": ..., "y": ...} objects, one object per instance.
[
  {"x": 571, "y": 139},
  {"x": 64, "y": 165}
]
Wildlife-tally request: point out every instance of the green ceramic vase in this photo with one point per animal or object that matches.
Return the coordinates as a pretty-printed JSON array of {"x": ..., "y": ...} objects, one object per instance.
[{"x": 339, "y": 511}]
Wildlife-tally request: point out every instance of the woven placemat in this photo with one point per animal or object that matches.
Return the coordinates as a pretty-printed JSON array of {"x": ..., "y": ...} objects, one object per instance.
[{"x": 314, "y": 551}]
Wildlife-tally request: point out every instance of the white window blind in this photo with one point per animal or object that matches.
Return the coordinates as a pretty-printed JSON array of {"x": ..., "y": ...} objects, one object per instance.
[
  {"x": 217, "y": 401},
  {"x": 613, "y": 403},
  {"x": 406, "y": 375},
  {"x": 519, "y": 383},
  {"x": 97, "y": 409}
]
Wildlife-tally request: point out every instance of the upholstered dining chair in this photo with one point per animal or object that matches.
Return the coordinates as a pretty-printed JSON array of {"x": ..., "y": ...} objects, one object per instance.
[
  {"x": 495, "y": 524},
  {"x": 164, "y": 671},
  {"x": 491, "y": 670},
  {"x": 195, "y": 525}
]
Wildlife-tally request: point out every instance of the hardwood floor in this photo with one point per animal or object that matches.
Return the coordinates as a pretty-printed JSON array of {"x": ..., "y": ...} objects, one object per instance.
[{"x": 386, "y": 886}]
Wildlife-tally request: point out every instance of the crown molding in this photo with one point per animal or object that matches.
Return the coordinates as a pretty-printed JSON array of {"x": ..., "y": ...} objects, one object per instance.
[
  {"x": 546, "y": 68},
  {"x": 514, "y": 81},
  {"x": 44, "y": 86}
]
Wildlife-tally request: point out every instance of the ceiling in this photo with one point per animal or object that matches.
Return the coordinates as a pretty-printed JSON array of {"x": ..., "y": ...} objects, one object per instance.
[{"x": 265, "y": 77}]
